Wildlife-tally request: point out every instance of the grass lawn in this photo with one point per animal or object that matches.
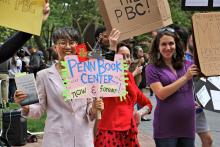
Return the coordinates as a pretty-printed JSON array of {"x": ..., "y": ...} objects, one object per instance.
[{"x": 33, "y": 125}]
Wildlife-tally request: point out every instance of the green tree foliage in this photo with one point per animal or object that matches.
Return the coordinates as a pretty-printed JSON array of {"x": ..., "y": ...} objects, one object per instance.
[
  {"x": 183, "y": 18},
  {"x": 5, "y": 33},
  {"x": 70, "y": 13},
  {"x": 80, "y": 14}
]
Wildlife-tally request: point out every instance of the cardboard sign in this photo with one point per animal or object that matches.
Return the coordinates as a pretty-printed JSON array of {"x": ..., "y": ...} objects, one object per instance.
[
  {"x": 135, "y": 17},
  {"x": 207, "y": 42},
  {"x": 22, "y": 15},
  {"x": 202, "y": 5},
  {"x": 94, "y": 77}
]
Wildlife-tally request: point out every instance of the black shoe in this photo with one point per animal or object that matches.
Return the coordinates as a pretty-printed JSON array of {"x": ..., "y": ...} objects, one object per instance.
[{"x": 148, "y": 119}]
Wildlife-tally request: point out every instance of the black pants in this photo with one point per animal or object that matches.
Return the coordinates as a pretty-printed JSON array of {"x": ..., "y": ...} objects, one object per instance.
[{"x": 175, "y": 142}]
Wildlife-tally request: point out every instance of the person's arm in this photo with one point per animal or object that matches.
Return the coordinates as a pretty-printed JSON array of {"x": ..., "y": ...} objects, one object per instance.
[
  {"x": 113, "y": 39},
  {"x": 163, "y": 92},
  {"x": 113, "y": 42},
  {"x": 11, "y": 46},
  {"x": 97, "y": 105},
  {"x": 34, "y": 111},
  {"x": 144, "y": 102},
  {"x": 137, "y": 71},
  {"x": 141, "y": 100}
]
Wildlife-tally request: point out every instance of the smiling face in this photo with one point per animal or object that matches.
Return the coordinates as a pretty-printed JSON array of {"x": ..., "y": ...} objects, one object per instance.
[
  {"x": 65, "y": 47},
  {"x": 167, "y": 47},
  {"x": 65, "y": 41}
]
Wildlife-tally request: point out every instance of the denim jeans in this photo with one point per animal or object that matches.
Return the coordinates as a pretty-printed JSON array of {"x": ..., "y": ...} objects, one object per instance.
[{"x": 175, "y": 142}]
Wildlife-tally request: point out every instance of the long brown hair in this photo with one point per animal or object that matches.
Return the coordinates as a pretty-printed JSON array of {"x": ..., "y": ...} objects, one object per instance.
[{"x": 177, "y": 61}]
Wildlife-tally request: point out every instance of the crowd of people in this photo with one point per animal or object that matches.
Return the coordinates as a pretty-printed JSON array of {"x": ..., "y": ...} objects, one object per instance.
[{"x": 166, "y": 69}]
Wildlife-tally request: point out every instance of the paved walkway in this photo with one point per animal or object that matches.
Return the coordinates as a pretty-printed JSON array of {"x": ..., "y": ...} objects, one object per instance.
[
  {"x": 145, "y": 140},
  {"x": 146, "y": 130}
]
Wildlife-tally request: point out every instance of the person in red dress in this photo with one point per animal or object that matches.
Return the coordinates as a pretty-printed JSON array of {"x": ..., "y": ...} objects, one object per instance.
[{"x": 118, "y": 126}]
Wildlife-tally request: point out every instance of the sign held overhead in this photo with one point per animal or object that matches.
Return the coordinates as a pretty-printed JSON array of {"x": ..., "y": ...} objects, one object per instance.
[
  {"x": 135, "y": 17},
  {"x": 22, "y": 15}
]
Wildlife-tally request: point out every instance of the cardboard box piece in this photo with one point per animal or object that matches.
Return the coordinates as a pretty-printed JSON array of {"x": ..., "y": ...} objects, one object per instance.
[
  {"x": 207, "y": 42},
  {"x": 135, "y": 17}
]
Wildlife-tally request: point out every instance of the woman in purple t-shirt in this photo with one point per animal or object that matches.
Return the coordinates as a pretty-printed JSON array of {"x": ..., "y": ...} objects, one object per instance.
[{"x": 170, "y": 78}]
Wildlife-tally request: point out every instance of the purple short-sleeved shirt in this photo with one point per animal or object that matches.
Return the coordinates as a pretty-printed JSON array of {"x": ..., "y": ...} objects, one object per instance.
[{"x": 175, "y": 116}]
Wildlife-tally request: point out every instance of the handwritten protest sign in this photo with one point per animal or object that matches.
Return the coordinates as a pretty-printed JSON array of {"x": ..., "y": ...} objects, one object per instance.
[
  {"x": 22, "y": 15},
  {"x": 94, "y": 77},
  {"x": 135, "y": 17},
  {"x": 206, "y": 33}
]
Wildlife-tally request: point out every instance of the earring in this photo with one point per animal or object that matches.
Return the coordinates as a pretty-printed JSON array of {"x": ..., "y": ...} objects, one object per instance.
[{"x": 158, "y": 56}]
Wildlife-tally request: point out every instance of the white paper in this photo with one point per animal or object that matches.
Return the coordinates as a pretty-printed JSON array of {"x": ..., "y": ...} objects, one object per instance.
[
  {"x": 215, "y": 99},
  {"x": 27, "y": 84},
  {"x": 215, "y": 81},
  {"x": 196, "y": 3},
  {"x": 216, "y": 3},
  {"x": 203, "y": 79},
  {"x": 203, "y": 96}
]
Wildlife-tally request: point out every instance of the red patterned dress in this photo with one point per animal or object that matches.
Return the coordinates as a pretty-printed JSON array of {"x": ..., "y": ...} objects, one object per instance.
[{"x": 117, "y": 128}]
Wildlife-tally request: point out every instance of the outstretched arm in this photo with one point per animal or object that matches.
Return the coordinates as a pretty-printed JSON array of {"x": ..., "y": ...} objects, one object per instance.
[{"x": 13, "y": 44}]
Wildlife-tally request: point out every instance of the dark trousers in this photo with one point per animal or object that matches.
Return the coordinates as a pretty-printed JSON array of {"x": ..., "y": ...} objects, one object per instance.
[{"x": 175, "y": 142}]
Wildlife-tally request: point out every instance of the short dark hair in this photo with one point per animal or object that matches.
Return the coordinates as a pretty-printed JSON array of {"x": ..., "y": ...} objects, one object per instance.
[
  {"x": 176, "y": 62},
  {"x": 65, "y": 33}
]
